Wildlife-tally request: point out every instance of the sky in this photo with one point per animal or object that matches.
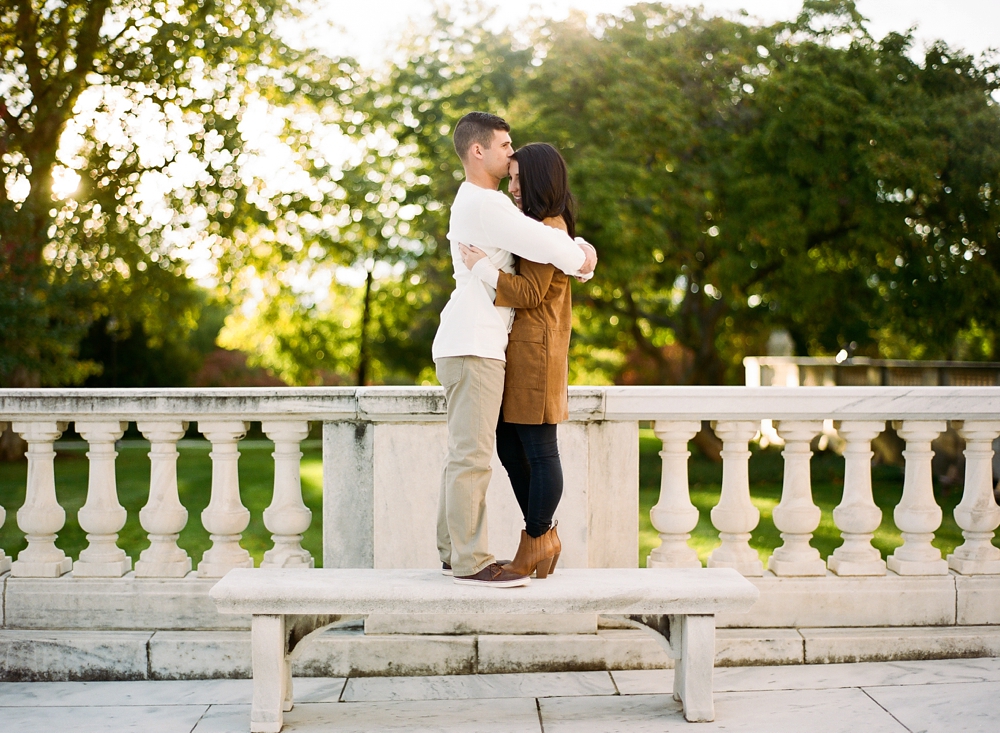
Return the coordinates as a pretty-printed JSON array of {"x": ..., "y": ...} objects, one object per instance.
[{"x": 369, "y": 30}]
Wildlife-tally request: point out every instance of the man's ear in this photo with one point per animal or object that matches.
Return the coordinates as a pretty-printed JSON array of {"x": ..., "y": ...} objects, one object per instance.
[{"x": 476, "y": 151}]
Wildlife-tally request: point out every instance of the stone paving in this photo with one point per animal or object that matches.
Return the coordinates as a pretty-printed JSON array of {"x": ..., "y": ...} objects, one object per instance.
[{"x": 946, "y": 696}]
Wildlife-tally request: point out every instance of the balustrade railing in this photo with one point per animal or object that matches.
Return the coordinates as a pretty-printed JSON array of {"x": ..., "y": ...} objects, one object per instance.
[{"x": 100, "y": 417}]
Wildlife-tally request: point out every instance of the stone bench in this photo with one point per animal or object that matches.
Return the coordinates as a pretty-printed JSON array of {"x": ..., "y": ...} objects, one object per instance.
[{"x": 677, "y": 605}]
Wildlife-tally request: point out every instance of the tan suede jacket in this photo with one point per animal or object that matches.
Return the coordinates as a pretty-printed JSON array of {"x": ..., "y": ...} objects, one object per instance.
[{"x": 535, "y": 386}]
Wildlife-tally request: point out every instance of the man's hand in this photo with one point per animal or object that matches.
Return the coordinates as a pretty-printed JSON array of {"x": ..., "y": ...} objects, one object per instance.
[
  {"x": 471, "y": 255},
  {"x": 591, "y": 262}
]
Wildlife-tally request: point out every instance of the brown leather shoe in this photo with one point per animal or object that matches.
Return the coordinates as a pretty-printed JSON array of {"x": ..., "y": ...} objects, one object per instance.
[{"x": 495, "y": 576}]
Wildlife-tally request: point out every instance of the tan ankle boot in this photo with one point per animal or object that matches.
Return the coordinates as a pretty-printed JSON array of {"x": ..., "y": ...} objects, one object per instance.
[
  {"x": 555, "y": 545},
  {"x": 534, "y": 555}
]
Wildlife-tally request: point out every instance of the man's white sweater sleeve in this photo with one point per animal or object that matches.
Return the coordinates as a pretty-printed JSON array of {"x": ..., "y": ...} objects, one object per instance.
[
  {"x": 487, "y": 272},
  {"x": 525, "y": 237}
]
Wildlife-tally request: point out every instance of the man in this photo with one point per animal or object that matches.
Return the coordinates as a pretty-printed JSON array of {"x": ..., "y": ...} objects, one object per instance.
[{"x": 469, "y": 346}]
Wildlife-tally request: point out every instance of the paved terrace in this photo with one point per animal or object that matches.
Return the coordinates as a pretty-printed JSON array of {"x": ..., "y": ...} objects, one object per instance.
[{"x": 946, "y": 696}]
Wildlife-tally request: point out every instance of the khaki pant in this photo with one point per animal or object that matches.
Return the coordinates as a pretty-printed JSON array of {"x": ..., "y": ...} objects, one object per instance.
[{"x": 473, "y": 390}]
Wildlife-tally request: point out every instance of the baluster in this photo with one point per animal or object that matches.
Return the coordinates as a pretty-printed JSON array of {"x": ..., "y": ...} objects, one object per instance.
[
  {"x": 4, "y": 560},
  {"x": 225, "y": 517},
  {"x": 287, "y": 517},
  {"x": 858, "y": 516},
  {"x": 674, "y": 516},
  {"x": 917, "y": 515},
  {"x": 735, "y": 516},
  {"x": 978, "y": 514},
  {"x": 41, "y": 517},
  {"x": 102, "y": 517},
  {"x": 797, "y": 516},
  {"x": 164, "y": 516}
]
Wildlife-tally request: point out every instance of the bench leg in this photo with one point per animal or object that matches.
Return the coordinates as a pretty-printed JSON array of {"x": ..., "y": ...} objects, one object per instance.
[
  {"x": 287, "y": 701},
  {"x": 677, "y": 653},
  {"x": 270, "y": 674},
  {"x": 693, "y": 674}
]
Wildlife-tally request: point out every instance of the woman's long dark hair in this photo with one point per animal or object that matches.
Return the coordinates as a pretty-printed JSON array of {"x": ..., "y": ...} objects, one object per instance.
[{"x": 545, "y": 184}]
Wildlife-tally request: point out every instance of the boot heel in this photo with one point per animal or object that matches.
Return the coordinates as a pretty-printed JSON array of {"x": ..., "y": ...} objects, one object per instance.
[
  {"x": 543, "y": 567},
  {"x": 555, "y": 559}
]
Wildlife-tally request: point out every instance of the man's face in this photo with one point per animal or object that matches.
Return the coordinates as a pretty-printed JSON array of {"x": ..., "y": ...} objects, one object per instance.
[{"x": 496, "y": 157}]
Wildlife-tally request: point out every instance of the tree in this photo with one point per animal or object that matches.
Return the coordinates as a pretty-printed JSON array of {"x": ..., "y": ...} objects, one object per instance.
[
  {"x": 391, "y": 227},
  {"x": 868, "y": 193},
  {"x": 648, "y": 113},
  {"x": 737, "y": 178},
  {"x": 128, "y": 137}
]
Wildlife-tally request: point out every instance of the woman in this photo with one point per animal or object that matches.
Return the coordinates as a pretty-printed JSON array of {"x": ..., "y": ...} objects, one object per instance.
[{"x": 535, "y": 386}]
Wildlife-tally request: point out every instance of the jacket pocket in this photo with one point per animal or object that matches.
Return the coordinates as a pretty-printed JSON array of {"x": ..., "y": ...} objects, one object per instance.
[
  {"x": 524, "y": 331},
  {"x": 526, "y": 360}
]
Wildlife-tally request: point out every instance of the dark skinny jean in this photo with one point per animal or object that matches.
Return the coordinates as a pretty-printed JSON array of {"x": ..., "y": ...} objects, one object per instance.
[{"x": 530, "y": 453}]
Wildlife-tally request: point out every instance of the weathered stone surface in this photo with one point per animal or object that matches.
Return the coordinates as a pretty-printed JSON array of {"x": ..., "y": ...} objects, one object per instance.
[
  {"x": 978, "y": 599},
  {"x": 744, "y": 647},
  {"x": 345, "y": 652},
  {"x": 483, "y": 623},
  {"x": 891, "y": 600},
  {"x": 609, "y": 649},
  {"x": 182, "y": 655},
  {"x": 242, "y": 403},
  {"x": 348, "y": 495},
  {"x": 114, "y": 603},
  {"x": 868, "y": 644},
  {"x": 612, "y": 529},
  {"x": 72, "y": 655},
  {"x": 335, "y": 652},
  {"x": 595, "y": 590},
  {"x": 407, "y": 480},
  {"x": 800, "y": 403},
  {"x": 383, "y": 482}
]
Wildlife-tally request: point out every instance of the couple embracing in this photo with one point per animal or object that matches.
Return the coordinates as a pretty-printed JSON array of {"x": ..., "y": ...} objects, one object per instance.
[{"x": 501, "y": 350}]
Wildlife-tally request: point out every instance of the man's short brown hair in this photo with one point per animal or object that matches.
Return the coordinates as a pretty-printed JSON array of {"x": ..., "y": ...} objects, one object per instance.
[{"x": 477, "y": 127}]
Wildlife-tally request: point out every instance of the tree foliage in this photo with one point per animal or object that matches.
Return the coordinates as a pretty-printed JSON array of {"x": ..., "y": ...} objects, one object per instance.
[
  {"x": 735, "y": 178},
  {"x": 805, "y": 175},
  {"x": 132, "y": 143}
]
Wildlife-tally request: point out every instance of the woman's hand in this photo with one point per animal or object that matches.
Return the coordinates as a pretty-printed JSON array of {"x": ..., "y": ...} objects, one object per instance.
[{"x": 470, "y": 254}]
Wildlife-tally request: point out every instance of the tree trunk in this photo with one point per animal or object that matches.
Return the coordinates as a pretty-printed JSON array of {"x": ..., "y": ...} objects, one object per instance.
[{"x": 363, "y": 355}]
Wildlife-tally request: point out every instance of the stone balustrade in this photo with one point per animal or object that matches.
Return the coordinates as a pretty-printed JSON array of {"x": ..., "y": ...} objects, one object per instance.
[{"x": 383, "y": 449}]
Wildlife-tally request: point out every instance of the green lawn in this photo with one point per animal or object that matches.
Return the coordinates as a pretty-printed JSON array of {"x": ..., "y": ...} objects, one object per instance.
[{"x": 257, "y": 475}]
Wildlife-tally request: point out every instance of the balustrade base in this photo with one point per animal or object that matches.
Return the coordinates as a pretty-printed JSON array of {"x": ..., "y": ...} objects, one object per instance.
[
  {"x": 126, "y": 603},
  {"x": 338, "y": 652},
  {"x": 796, "y": 568},
  {"x": 967, "y": 566},
  {"x": 917, "y": 567},
  {"x": 156, "y": 569},
  {"x": 301, "y": 559},
  {"x": 681, "y": 561},
  {"x": 111, "y": 569},
  {"x": 5, "y": 563},
  {"x": 749, "y": 568},
  {"x": 217, "y": 570},
  {"x": 47, "y": 569},
  {"x": 844, "y": 567}
]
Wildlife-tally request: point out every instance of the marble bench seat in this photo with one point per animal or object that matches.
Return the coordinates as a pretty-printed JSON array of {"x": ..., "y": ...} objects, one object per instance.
[{"x": 677, "y": 605}]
